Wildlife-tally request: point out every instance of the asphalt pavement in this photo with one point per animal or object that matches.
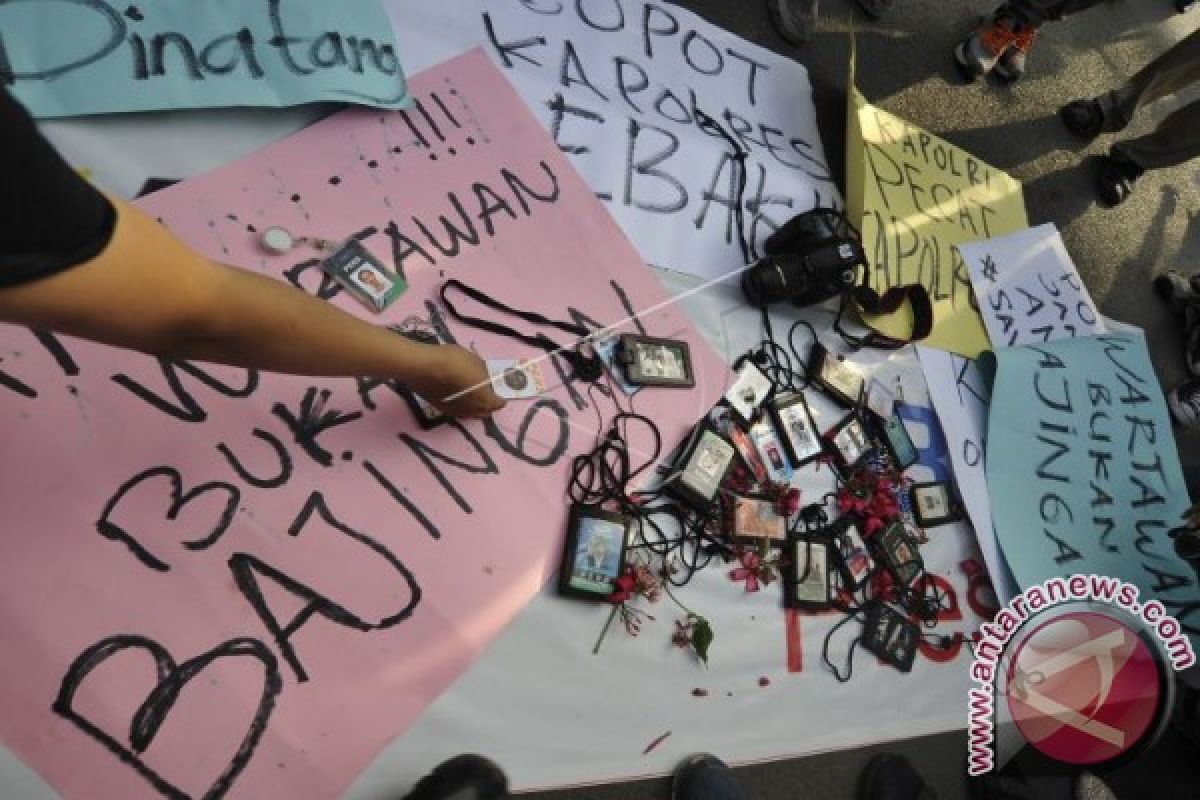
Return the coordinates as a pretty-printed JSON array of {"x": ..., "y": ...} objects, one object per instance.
[{"x": 905, "y": 66}]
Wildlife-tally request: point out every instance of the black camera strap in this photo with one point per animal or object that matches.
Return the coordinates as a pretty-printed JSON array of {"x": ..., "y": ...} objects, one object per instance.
[
  {"x": 871, "y": 302},
  {"x": 586, "y": 367}
]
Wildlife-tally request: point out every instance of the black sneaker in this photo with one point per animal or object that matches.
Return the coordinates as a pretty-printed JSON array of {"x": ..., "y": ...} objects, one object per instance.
[
  {"x": 466, "y": 777},
  {"x": 1184, "y": 403},
  {"x": 889, "y": 776},
  {"x": 706, "y": 777},
  {"x": 1090, "y": 117}
]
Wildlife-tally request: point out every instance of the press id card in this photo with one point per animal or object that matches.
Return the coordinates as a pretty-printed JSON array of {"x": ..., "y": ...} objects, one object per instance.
[
  {"x": 516, "y": 380},
  {"x": 364, "y": 276}
]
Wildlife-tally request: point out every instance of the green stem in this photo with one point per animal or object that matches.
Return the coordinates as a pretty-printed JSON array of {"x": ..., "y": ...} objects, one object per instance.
[
  {"x": 667, "y": 588},
  {"x": 604, "y": 632}
]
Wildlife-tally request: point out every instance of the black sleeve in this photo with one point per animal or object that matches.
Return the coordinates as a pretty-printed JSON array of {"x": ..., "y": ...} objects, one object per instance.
[{"x": 50, "y": 217}]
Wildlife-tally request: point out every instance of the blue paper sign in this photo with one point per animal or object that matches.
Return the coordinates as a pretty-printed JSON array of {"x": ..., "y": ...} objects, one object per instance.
[
  {"x": 72, "y": 57},
  {"x": 1082, "y": 469}
]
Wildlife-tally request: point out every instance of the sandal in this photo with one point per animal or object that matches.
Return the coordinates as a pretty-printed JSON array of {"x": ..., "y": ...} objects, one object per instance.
[{"x": 1115, "y": 178}]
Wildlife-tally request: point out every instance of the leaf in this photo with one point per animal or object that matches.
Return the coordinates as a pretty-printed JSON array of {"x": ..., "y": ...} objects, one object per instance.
[{"x": 702, "y": 637}]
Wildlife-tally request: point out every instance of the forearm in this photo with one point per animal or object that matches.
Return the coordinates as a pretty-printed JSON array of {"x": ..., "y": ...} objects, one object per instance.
[
  {"x": 255, "y": 321},
  {"x": 149, "y": 292}
]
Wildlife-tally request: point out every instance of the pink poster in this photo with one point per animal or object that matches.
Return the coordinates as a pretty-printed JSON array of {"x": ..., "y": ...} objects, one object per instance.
[{"x": 224, "y": 583}]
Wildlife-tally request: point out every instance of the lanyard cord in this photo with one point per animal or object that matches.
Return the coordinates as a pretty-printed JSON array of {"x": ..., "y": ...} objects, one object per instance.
[
  {"x": 587, "y": 368},
  {"x": 603, "y": 477}
]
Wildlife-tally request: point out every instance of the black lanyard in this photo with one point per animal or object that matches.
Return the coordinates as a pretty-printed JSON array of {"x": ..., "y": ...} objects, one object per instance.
[{"x": 585, "y": 367}]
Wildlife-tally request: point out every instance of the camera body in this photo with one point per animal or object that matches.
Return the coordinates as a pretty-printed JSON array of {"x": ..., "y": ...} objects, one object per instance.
[{"x": 815, "y": 256}]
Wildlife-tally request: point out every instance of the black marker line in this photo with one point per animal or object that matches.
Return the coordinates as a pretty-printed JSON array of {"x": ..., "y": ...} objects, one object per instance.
[
  {"x": 14, "y": 385},
  {"x": 402, "y": 499},
  {"x": 420, "y": 107},
  {"x": 434, "y": 97},
  {"x": 281, "y": 453},
  {"x": 420, "y": 137},
  {"x": 56, "y": 349},
  {"x": 172, "y": 678}
]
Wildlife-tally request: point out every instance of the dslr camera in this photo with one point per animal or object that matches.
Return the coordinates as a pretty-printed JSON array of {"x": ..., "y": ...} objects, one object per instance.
[{"x": 815, "y": 256}]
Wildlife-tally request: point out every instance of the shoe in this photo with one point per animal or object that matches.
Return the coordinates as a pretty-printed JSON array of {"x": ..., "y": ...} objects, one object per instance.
[
  {"x": 466, "y": 777},
  {"x": 978, "y": 54},
  {"x": 1088, "y": 786},
  {"x": 1115, "y": 176},
  {"x": 1011, "y": 65},
  {"x": 1184, "y": 403},
  {"x": 1177, "y": 289},
  {"x": 794, "y": 20},
  {"x": 706, "y": 777},
  {"x": 1093, "y": 116},
  {"x": 889, "y": 776}
]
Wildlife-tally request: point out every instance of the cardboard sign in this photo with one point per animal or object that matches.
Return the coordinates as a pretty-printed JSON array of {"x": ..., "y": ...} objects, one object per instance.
[
  {"x": 916, "y": 197},
  {"x": 1087, "y": 480},
  {"x": 1029, "y": 289},
  {"x": 291, "y": 560},
  {"x": 624, "y": 87},
  {"x": 94, "y": 56}
]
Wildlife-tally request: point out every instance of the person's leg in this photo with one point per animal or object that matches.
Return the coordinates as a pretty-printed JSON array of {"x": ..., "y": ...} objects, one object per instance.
[
  {"x": 1038, "y": 12},
  {"x": 1175, "y": 141},
  {"x": 1175, "y": 69},
  {"x": 1003, "y": 44}
]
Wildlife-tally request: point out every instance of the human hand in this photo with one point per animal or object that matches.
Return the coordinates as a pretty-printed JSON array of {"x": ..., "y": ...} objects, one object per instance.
[{"x": 459, "y": 374}]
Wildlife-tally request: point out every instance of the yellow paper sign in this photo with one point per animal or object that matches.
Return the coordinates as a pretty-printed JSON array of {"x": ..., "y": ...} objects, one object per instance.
[{"x": 916, "y": 197}]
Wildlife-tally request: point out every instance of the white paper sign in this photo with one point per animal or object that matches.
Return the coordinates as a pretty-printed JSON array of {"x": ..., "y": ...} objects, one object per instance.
[
  {"x": 960, "y": 397},
  {"x": 619, "y": 83},
  {"x": 1029, "y": 289}
]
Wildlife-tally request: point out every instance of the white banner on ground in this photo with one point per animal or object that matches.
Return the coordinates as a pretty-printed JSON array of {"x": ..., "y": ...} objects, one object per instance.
[
  {"x": 551, "y": 713},
  {"x": 960, "y": 396},
  {"x": 619, "y": 84}
]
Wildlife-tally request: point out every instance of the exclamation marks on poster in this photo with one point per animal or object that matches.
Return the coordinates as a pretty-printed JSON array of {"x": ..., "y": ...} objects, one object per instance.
[{"x": 437, "y": 123}]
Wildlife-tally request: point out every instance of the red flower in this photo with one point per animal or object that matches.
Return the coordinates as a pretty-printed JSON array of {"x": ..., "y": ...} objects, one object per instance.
[
  {"x": 748, "y": 572},
  {"x": 625, "y": 587},
  {"x": 850, "y": 501},
  {"x": 788, "y": 502},
  {"x": 683, "y": 634}
]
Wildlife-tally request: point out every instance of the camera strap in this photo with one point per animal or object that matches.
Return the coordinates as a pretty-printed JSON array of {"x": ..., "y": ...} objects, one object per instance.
[
  {"x": 589, "y": 368},
  {"x": 871, "y": 302}
]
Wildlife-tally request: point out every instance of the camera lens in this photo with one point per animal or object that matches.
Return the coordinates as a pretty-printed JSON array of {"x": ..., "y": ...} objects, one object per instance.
[{"x": 764, "y": 283}]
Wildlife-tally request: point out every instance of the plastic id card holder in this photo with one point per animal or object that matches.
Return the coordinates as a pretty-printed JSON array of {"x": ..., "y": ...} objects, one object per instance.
[{"x": 364, "y": 276}]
